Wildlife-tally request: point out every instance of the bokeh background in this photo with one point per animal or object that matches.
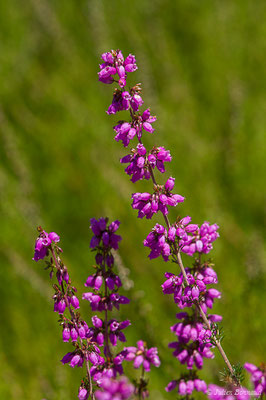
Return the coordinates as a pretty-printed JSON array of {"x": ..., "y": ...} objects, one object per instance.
[{"x": 202, "y": 65}]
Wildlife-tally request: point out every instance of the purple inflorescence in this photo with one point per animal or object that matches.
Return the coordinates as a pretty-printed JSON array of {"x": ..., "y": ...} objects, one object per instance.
[
  {"x": 141, "y": 355},
  {"x": 43, "y": 243},
  {"x": 187, "y": 385},
  {"x": 258, "y": 377},
  {"x": 140, "y": 162},
  {"x": 114, "y": 389},
  {"x": 156, "y": 241},
  {"x": 149, "y": 204},
  {"x": 104, "y": 235},
  {"x": 126, "y": 131},
  {"x": 115, "y": 64},
  {"x": 123, "y": 101}
]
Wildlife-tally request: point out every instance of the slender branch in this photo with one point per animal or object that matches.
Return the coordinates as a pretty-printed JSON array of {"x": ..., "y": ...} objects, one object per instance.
[
  {"x": 73, "y": 317},
  {"x": 89, "y": 380}
]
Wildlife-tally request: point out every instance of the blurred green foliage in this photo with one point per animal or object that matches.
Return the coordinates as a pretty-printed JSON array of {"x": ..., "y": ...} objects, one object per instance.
[{"x": 202, "y": 65}]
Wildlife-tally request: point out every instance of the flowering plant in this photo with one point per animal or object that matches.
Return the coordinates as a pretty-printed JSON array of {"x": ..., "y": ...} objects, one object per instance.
[{"x": 197, "y": 331}]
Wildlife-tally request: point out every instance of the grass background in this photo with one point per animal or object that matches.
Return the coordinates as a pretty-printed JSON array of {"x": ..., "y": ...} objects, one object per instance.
[{"x": 202, "y": 65}]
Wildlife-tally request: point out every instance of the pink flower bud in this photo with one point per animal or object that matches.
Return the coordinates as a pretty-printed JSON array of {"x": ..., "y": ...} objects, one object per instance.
[
  {"x": 170, "y": 183},
  {"x": 66, "y": 334}
]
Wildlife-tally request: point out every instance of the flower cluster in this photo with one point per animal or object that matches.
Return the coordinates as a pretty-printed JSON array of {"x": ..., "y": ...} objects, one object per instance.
[
  {"x": 123, "y": 100},
  {"x": 105, "y": 284},
  {"x": 104, "y": 236},
  {"x": 43, "y": 244},
  {"x": 258, "y": 377},
  {"x": 149, "y": 204},
  {"x": 66, "y": 303},
  {"x": 183, "y": 236},
  {"x": 156, "y": 241},
  {"x": 186, "y": 385},
  {"x": 140, "y": 162},
  {"x": 105, "y": 332},
  {"x": 114, "y": 63},
  {"x": 200, "y": 240},
  {"x": 195, "y": 288},
  {"x": 126, "y": 131},
  {"x": 119, "y": 389},
  {"x": 141, "y": 355}
]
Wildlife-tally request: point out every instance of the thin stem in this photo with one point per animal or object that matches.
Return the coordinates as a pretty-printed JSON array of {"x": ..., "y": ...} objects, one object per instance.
[
  {"x": 89, "y": 380},
  {"x": 141, "y": 382}
]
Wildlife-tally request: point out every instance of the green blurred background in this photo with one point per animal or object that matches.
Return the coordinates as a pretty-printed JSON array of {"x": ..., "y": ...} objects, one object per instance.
[{"x": 202, "y": 65}]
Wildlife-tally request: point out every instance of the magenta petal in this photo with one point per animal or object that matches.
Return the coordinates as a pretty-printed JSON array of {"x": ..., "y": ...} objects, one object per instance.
[{"x": 138, "y": 361}]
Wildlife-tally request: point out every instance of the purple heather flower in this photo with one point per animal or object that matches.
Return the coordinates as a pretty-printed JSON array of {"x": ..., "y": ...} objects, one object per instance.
[
  {"x": 126, "y": 131},
  {"x": 99, "y": 304},
  {"x": 158, "y": 156},
  {"x": 66, "y": 334},
  {"x": 93, "y": 358},
  {"x": 95, "y": 281},
  {"x": 139, "y": 161},
  {"x": 97, "y": 322},
  {"x": 83, "y": 393},
  {"x": 215, "y": 318},
  {"x": 182, "y": 388},
  {"x": 96, "y": 333},
  {"x": 115, "y": 331},
  {"x": 104, "y": 234},
  {"x": 149, "y": 204},
  {"x": 74, "y": 302},
  {"x": 82, "y": 331},
  {"x": 258, "y": 377},
  {"x": 121, "y": 101},
  {"x": 145, "y": 121},
  {"x": 74, "y": 334},
  {"x": 142, "y": 355},
  {"x": 187, "y": 386},
  {"x": 111, "y": 389},
  {"x": 184, "y": 297},
  {"x": 187, "y": 354},
  {"x": 94, "y": 300},
  {"x": 100, "y": 339},
  {"x": 60, "y": 306},
  {"x": 73, "y": 359},
  {"x": 42, "y": 244},
  {"x": 200, "y": 240},
  {"x": 117, "y": 299},
  {"x": 103, "y": 370},
  {"x": 136, "y": 102},
  {"x": 156, "y": 241},
  {"x": 171, "y": 386},
  {"x": 114, "y": 63},
  {"x": 130, "y": 63}
]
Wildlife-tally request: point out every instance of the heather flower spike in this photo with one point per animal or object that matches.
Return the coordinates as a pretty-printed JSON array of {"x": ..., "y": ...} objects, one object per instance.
[
  {"x": 108, "y": 332},
  {"x": 93, "y": 345},
  {"x": 197, "y": 332}
]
